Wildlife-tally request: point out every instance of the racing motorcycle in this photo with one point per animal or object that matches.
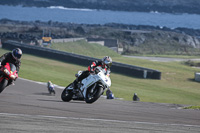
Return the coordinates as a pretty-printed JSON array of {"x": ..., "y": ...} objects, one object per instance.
[
  {"x": 8, "y": 73},
  {"x": 89, "y": 89}
]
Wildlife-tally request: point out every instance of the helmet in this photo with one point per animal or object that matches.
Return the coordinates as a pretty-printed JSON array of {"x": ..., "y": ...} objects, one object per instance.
[
  {"x": 109, "y": 94},
  {"x": 107, "y": 61},
  {"x": 17, "y": 53}
]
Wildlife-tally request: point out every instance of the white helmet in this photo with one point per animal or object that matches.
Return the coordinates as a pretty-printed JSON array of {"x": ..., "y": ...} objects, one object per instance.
[
  {"x": 17, "y": 53},
  {"x": 107, "y": 61}
]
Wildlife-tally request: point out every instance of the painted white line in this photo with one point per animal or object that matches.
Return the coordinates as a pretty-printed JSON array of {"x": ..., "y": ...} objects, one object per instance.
[
  {"x": 92, "y": 119},
  {"x": 42, "y": 83}
]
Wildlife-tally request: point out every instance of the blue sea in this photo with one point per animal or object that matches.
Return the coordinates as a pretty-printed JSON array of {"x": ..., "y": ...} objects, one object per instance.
[{"x": 88, "y": 16}]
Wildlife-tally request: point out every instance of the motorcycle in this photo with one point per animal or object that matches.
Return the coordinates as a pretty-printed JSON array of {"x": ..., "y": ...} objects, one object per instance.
[
  {"x": 89, "y": 89},
  {"x": 8, "y": 73}
]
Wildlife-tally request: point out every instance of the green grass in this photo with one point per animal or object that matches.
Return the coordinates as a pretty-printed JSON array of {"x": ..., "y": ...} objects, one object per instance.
[
  {"x": 176, "y": 86},
  {"x": 83, "y": 48},
  {"x": 170, "y": 56},
  {"x": 193, "y": 107}
]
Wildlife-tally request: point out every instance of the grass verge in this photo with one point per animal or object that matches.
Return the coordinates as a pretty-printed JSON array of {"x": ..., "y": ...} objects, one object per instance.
[
  {"x": 82, "y": 47},
  {"x": 193, "y": 107}
]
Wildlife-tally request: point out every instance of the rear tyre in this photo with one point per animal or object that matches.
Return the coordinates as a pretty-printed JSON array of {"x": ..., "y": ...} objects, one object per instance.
[
  {"x": 66, "y": 95},
  {"x": 93, "y": 94},
  {"x": 3, "y": 84}
]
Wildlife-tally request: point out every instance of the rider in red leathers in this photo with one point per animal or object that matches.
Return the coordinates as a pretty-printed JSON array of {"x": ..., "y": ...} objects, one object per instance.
[{"x": 12, "y": 57}]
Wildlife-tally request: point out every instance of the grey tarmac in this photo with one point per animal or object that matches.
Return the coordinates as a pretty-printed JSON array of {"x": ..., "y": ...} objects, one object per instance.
[{"x": 28, "y": 108}]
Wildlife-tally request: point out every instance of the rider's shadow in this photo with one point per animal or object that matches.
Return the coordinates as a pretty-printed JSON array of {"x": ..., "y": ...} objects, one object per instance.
[{"x": 43, "y": 93}]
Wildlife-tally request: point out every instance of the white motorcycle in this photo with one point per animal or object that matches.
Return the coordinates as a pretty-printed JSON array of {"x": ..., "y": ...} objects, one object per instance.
[{"x": 89, "y": 89}]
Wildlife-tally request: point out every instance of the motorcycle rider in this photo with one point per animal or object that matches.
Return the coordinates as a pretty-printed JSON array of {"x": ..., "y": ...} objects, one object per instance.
[
  {"x": 109, "y": 94},
  {"x": 50, "y": 86},
  {"x": 105, "y": 63},
  {"x": 49, "y": 83},
  {"x": 12, "y": 57}
]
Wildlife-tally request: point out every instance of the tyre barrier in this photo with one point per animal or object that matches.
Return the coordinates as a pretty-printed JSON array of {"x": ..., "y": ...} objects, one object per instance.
[{"x": 120, "y": 68}]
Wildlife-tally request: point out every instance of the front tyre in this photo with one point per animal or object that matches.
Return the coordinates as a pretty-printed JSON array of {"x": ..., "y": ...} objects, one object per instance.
[
  {"x": 66, "y": 95},
  {"x": 3, "y": 84},
  {"x": 93, "y": 93}
]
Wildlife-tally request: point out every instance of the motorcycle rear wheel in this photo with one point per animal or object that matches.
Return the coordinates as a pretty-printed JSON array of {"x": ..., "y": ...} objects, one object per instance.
[
  {"x": 3, "y": 85},
  {"x": 92, "y": 96},
  {"x": 66, "y": 95}
]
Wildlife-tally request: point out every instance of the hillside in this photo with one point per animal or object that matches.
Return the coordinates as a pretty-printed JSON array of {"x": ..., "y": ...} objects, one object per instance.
[
  {"x": 170, "y": 6},
  {"x": 133, "y": 39},
  {"x": 83, "y": 48}
]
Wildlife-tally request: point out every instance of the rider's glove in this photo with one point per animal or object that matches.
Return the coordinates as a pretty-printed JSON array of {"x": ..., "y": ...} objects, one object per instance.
[
  {"x": 91, "y": 71},
  {"x": 96, "y": 71}
]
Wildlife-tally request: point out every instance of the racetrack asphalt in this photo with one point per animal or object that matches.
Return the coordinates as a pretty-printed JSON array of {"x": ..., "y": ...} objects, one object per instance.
[{"x": 27, "y": 107}]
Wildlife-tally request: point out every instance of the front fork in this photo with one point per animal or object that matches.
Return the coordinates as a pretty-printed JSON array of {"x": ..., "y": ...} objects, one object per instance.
[{"x": 92, "y": 89}]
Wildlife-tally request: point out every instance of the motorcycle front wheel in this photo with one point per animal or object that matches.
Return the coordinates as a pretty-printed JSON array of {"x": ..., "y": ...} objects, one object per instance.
[
  {"x": 3, "y": 84},
  {"x": 92, "y": 94},
  {"x": 66, "y": 95}
]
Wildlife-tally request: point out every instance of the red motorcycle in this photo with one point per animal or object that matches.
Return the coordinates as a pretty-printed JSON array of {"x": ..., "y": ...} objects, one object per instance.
[{"x": 8, "y": 73}]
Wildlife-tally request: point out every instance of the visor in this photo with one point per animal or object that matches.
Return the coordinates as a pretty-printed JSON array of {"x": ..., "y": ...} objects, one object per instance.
[
  {"x": 18, "y": 56},
  {"x": 108, "y": 64}
]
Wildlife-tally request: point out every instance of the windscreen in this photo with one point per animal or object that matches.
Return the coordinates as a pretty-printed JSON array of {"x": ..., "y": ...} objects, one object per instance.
[{"x": 12, "y": 67}]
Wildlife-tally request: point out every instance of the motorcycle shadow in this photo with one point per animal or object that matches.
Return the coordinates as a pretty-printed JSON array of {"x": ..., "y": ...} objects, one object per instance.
[
  {"x": 49, "y": 100},
  {"x": 43, "y": 93},
  {"x": 60, "y": 101}
]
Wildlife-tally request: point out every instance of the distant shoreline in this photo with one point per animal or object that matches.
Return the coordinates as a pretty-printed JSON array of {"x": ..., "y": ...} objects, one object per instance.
[
  {"x": 133, "y": 28},
  {"x": 165, "y": 6},
  {"x": 88, "y": 16},
  {"x": 93, "y": 9}
]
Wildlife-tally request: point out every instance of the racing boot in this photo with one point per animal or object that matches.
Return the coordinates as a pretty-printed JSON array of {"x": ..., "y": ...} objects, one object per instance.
[
  {"x": 74, "y": 85},
  {"x": 11, "y": 83}
]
